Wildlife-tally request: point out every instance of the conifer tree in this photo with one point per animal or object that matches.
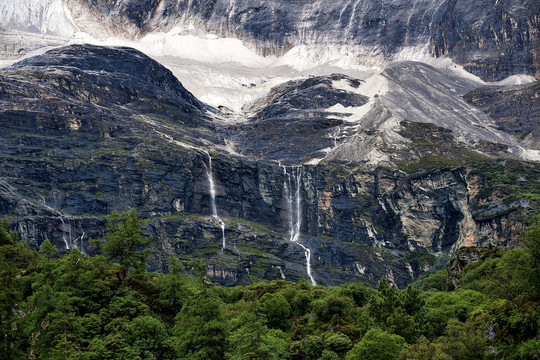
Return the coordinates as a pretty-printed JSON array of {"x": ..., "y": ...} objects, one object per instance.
[{"x": 125, "y": 241}]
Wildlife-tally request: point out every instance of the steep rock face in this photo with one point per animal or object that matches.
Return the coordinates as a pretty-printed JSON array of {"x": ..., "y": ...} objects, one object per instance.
[
  {"x": 515, "y": 109},
  {"x": 302, "y": 110},
  {"x": 38, "y": 16},
  {"x": 89, "y": 130},
  {"x": 439, "y": 210},
  {"x": 493, "y": 39}
]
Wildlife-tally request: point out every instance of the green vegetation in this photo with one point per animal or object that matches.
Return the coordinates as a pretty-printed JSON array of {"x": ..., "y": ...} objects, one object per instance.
[
  {"x": 435, "y": 148},
  {"x": 420, "y": 258},
  {"x": 109, "y": 307},
  {"x": 512, "y": 180},
  {"x": 429, "y": 162}
]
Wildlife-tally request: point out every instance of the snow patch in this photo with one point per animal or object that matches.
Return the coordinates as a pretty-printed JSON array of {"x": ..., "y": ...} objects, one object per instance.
[
  {"x": 372, "y": 87},
  {"x": 37, "y": 16},
  {"x": 316, "y": 161},
  {"x": 529, "y": 154},
  {"x": 305, "y": 57},
  {"x": 206, "y": 49},
  {"x": 519, "y": 79}
]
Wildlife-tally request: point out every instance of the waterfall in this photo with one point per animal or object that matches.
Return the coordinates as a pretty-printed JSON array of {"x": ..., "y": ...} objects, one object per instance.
[
  {"x": 61, "y": 217},
  {"x": 281, "y": 272},
  {"x": 212, "y": 190},
  {"x": 292, "y": 186},
  {"x": 81, "y": 238},
  {"x": 64, "y": 233}
]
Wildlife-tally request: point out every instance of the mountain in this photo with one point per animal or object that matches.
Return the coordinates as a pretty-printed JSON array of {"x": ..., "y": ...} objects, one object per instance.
[
  {"x": 94, "y": 129},
  {"x": 480, "y": 35},
  {"x": 306, "y": 144},
  {"x": 491, "y": 38}
]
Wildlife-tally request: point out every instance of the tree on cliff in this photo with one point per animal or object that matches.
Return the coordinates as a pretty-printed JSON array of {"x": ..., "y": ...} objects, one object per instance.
[{"x": 125, "y": 241}]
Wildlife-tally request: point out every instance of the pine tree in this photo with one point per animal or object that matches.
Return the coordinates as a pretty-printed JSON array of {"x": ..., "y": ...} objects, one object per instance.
[
  {"x": 124, "y": 242},
  {"x": 47, "y": 249}
]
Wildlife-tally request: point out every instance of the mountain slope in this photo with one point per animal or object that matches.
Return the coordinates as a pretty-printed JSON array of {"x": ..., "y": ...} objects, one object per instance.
[
  {"x": 492, "y": 39},
  {"x": 482, "y": 36},
  {"x": 93, "y": 129}
]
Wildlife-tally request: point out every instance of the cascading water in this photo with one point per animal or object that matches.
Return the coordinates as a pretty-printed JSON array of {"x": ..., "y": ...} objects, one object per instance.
[
  {"x": 69, "y": 243},
  {"x": 212, "y": 190},
  {"x": 292, "y": 183},
  {"x": 80, "y": 247},
  {"x": 64, "y": 233},
  {"x": 61, "y": 217}
]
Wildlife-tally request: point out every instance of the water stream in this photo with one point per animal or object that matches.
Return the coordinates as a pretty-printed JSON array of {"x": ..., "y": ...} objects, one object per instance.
[
  {"x": 212, "y": 190},
  {"x": 66, "y": 242},
  {"x": 292, "y": 186}
]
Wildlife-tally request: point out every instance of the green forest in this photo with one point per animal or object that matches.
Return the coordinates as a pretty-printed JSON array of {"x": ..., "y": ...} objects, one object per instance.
[{"x": 110, "y": 307}]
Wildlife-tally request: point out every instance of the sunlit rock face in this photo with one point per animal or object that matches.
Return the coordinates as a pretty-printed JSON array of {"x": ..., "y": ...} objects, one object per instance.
[
  {"x": 492, "y": 39},
  {"x": 329, "y": 140}
]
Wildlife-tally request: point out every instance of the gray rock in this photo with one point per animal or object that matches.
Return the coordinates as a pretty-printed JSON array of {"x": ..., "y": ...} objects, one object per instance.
[
  {"x": 492, "y": 39},
  {"x": 84, "y": 136}
]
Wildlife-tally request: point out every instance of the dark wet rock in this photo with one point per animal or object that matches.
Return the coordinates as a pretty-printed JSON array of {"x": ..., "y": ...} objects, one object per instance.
[
  {"x": 301, "y": 97},
  {"x": 64, "y": 168},
  {"x": 294, "y": 122},
  {"x": 92, "y": 82},
  {"x": 515, "y": 109}
]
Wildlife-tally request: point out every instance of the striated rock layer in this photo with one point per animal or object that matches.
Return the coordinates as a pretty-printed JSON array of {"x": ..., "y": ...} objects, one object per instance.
[
  {"x": 491, "y": 38},
  {"x": 88, "y": 130}
]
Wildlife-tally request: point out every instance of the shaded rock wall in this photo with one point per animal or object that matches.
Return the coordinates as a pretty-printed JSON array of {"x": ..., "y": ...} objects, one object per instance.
[{"x": 357, "y": 225}]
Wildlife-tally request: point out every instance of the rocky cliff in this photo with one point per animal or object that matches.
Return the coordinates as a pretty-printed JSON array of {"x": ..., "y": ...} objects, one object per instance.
[
  {"x": 88, "y": 130},
  {"x": 515, "y": 109},
  {"x": 491, "y": 38}
]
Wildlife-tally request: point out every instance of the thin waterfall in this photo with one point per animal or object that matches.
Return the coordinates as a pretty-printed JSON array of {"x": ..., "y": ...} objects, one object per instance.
[
  {"x": 292, "y": 186},
  {"x": 61, "y": 217},
  {"x": 80, "y": 246},
  {"x": 281, "y": 272},
  {"x": 69, "y": 243},
  {"x": 70, "y": 235},
  {"x": 64, "y": 233},
  {"x": 212, "y": 190}
]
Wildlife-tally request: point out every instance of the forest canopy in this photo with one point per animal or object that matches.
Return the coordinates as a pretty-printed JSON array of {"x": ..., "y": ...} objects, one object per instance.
[{"x": 109, "y": 307}]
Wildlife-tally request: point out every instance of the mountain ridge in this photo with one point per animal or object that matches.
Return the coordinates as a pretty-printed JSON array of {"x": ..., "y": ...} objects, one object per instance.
[{"x": 481, "y": 37}]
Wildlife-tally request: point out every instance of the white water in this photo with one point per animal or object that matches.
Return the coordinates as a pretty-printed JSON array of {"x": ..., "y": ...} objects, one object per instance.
[
  {"x": 212, "y": 190},
  {"x": 64, "y": 233},
  {"x": 81, "y": 239},
  {"x": 292, "y": 182},
  {"x": 281, "y": 272}
]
